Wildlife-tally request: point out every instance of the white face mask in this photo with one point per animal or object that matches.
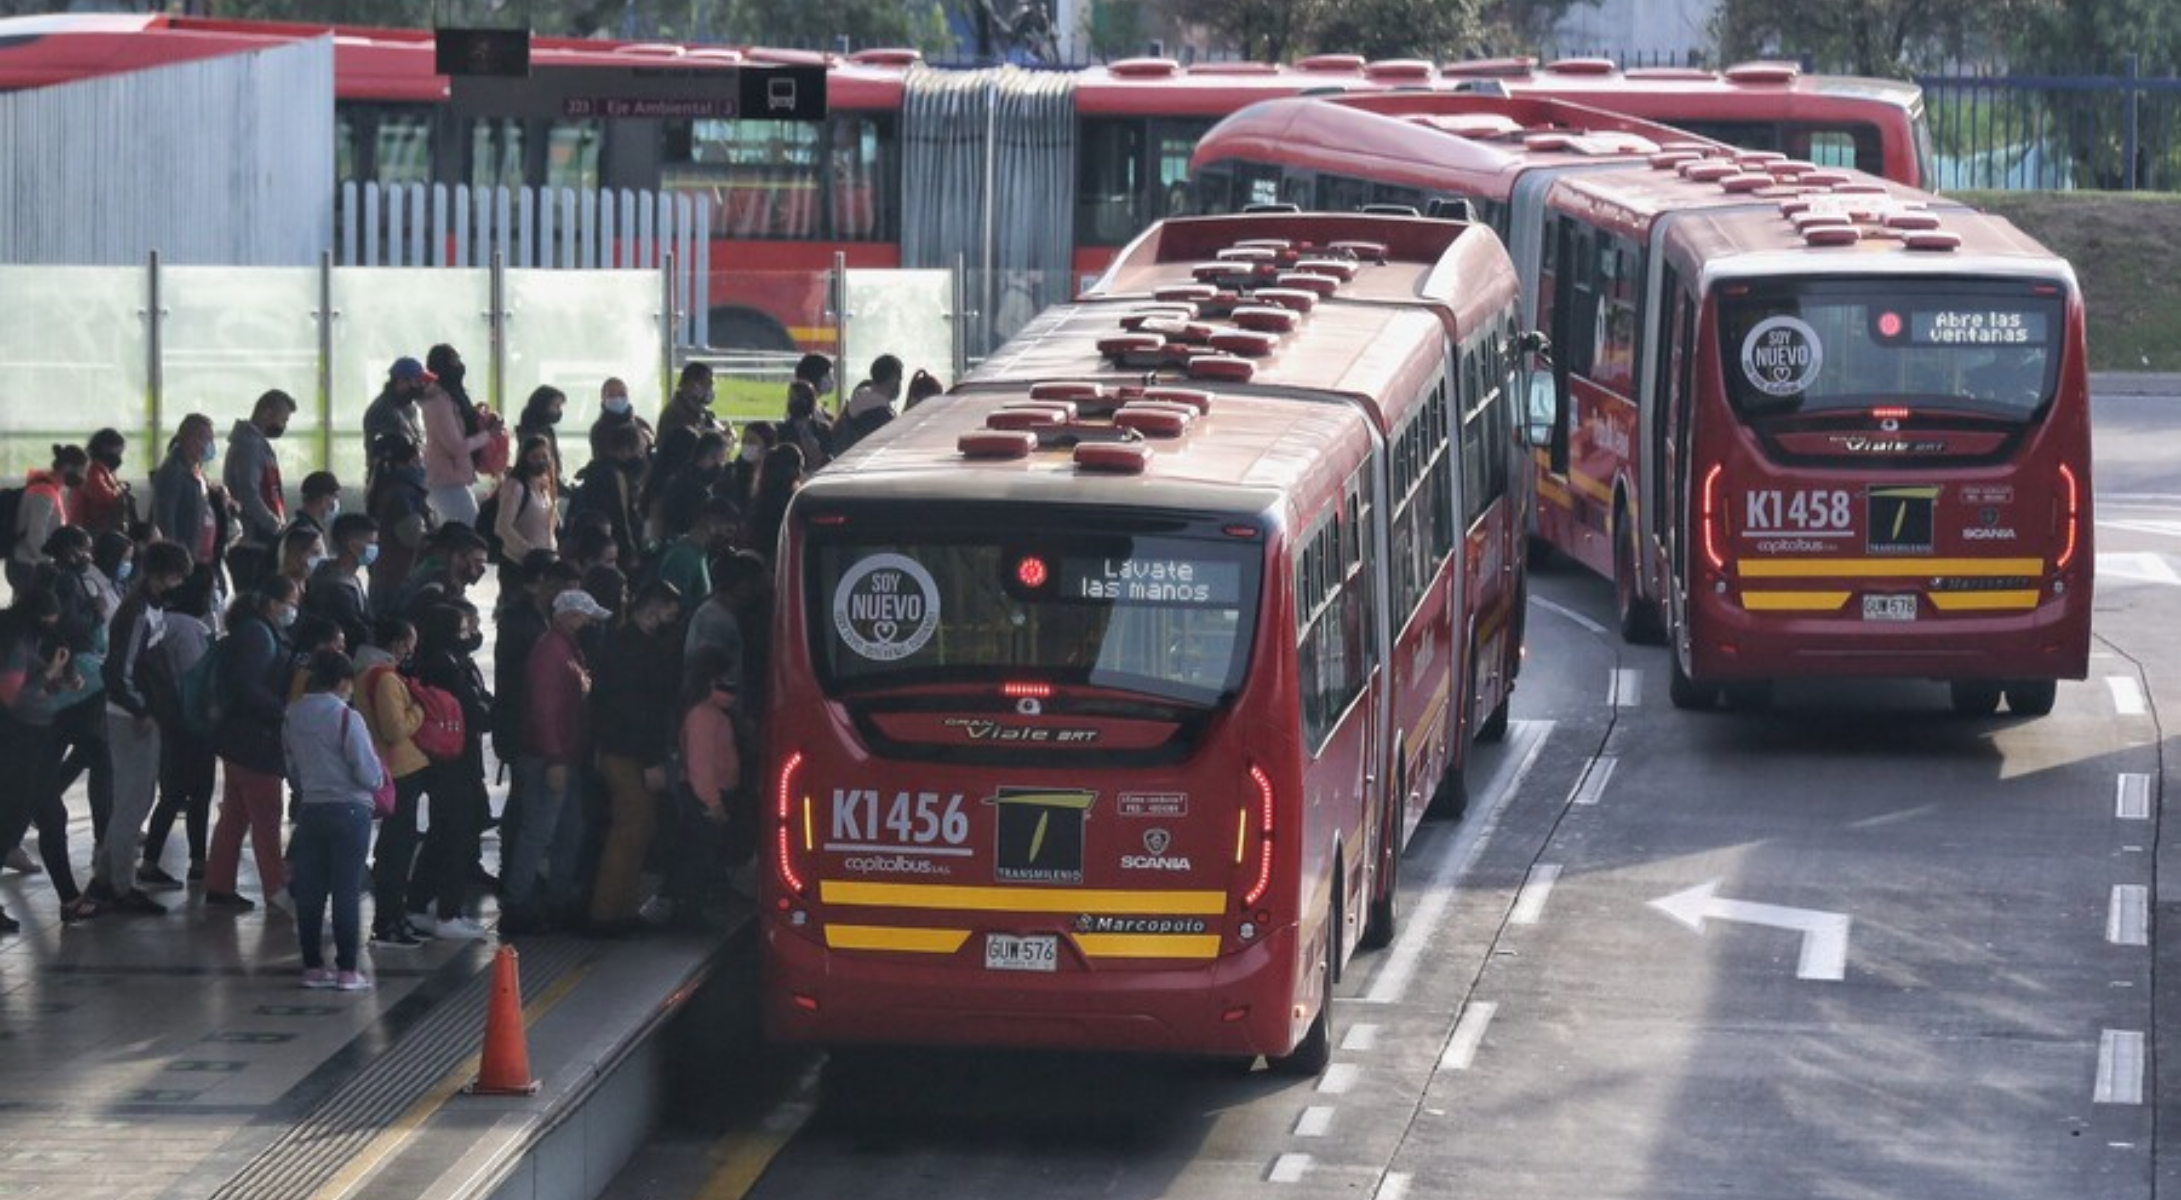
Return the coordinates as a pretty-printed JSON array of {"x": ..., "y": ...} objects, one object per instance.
[
  {"x": 311, "y": 561},
  {"x": 753, "y": 454},
  {"x": 334, "y": 509},
  {"x": 617, "y": 404}
]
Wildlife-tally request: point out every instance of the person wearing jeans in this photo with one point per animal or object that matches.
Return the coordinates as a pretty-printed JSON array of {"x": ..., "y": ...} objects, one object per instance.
[
  {"x": 335, "y": 770},
  {"x": 551, "y": 770}
]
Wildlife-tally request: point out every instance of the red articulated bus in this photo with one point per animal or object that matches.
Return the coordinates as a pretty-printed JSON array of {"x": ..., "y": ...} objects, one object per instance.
[
  {"x": 1809, "y": 422},
  {"x": 1110, "y": 686}
]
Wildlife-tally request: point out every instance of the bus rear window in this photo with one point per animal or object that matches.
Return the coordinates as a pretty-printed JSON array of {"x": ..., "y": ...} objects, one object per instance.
[
  {"x": 1814, "y": 346},
  {"x": 1164, "y": 617}
]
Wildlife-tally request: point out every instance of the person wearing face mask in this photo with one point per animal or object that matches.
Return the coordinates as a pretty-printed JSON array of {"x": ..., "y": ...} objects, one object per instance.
[
  {"x": 691, "y": 405},
  {"x": 254, "y": 686},
  {"x": 703, "y": 478},
  {"x": 741, "y": 482},
  {"x": 182, "y": 510},
  {"x": 138, "y": 689},
  {"x": 525, "y": 511},
  {"x": 102, "y": 504},
  {"x": 43, "y": 509},
  {"x": 321, "y": 503},
  {"x": 80, "y": 724},
  {"x": 251, "y": 473},
  {"x": 446, "y": 658},
  {"x": 610, "y": 489},
  {"x": 633, "y": 724},
  {"x": 35, "y": 670},
  {"x": 541, "y": 419},
  {"x": 301, "y": 552},
  {"x": 806, "y": 428},
  {"x": 454, "y": 564},
  {"x": 614, "y": 411},
  {"x": 393, "y": 715},
  {"x": 870, "y": 406},
  {"x": 399, "y": 501},
  {"x": 337, "y": 590},
  {"x": 394, "y": 412},
  {"x": 817, "y": 371},
  {"x": 113, "y": 566},
  {"x": 455, "y": 430}
]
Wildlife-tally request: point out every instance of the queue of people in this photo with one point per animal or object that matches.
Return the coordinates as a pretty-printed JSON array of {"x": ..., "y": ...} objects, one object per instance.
[{"x": 322, "y": 666}]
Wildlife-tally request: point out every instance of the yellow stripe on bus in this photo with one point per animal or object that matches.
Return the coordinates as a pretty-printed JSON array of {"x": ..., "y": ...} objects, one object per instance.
[
  {"x": 811, "y": 335},
  {"x": 1890, "y": 568},
  {"x": 1985, "y": 601},
  {"x": 1597, "y": 490},
  {"x": 1793, "y": 601},
  {"x": 890, "y": 937},
  {"x": 1134, "y": 945},
  {"x": 1011, "y": 899}
]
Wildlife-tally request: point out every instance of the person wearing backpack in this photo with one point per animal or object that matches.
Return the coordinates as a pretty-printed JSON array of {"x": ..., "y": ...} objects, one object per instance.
[
  {"x": 399, "y": 501},
  {"x": 253, "y": 694},
  {"x": 186, "y": 510},
  {"x": 40, "y": 509},
  {"x": 391, "y": 712},
  {"x": 35, "y": 670},
  {"x": 337, "y": 590},
  {"x": 138, "y": 688},
  {"x": 523, "y": 512},
  {"x": 447, "y": 644},
  {"x": 187, "y": 766},
  {"x": 103, "y": 504}
]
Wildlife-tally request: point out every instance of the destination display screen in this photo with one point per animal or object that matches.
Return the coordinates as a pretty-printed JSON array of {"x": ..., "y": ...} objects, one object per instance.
[
  {"x": 1162, "y": 580},
  {"x": 1977, "y": 327}
]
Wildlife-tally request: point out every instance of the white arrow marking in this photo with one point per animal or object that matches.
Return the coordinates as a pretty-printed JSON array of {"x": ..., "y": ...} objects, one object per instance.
[{"x": 1824, "y": 934}]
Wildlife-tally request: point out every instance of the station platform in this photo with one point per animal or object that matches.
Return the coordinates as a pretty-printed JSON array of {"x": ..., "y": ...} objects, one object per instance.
[{"x": 177, "y": 1057}]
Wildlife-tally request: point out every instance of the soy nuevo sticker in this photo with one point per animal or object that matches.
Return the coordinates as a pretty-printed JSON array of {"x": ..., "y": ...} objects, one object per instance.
[
  {"x": 886, "y": 607},
  {"x": 1781, "y": 356}
]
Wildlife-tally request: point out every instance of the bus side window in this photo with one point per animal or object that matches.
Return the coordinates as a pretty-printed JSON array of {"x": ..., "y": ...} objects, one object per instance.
[
  {"x": 1109, "y": 163},
  {"x": 1338, "y": 193}
]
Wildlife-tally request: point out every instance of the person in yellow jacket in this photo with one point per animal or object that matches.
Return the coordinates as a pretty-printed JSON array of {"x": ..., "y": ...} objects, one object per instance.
[{"x": 393, "y": 715}]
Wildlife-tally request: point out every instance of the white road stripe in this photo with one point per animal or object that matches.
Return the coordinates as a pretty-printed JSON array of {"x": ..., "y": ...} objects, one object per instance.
[
  {"x": 1316, "y": 1119},
  {"x": 1559, "y": 610},
  {"x": 2136, "y": 567},
  {"x": 1461, "y": 1049},
  {"x": 1906, "y": 814},
  {"x": 2134, "y": 799},
  {"x": 1530, "y": 901},
  {"x": 1339, "y": 1078},
  {"x": 1430, "y": 911},
  {"x": 2127, "y": 695},
  {"x": 2120, "y": 1067},
  {"x": 1361, "y": 1039},
  {"x": 1395, "y": 1186},
  {"x": 2128, "y": 916},
  {"x": 1626, "y": 688},
  {"x": 1591, "y": 788},
  {"x": 1289, "y": 1168}
]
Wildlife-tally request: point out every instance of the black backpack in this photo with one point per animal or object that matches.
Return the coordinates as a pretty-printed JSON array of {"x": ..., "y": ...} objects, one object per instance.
[{"x": 11, "y": 519}]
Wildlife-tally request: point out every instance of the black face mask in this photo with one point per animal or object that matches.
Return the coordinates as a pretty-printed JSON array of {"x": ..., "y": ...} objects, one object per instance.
[
  {"x": 472, "y": 644},
  {"x": 110, "y": 459},
  {"x": 452, "y": 376}
]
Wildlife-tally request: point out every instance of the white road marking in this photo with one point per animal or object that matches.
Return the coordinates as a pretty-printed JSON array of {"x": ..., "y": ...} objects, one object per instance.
[
  {"x": 1395, "y": 1186},
  {"x": 2133, "y": 802},
  {"x": 2127, "y": 695},
  {"x": 1316, "y": 1119},
  {"x": 1591, "y": 788},
  {"x": 1559, "y": 610},
  {"x": 2136, "y": 568},
  {"x": 2128, "y": 916},
  {"x": 1530, "y": 901},
  {"x": 2120, "y": 1067},
  {"x": 1289, "y": 1168},
  {"x": 1906, "y": 814},
  {"x": 1824, "y": 934},
  {"x": 1339, "y": 1078},
  {"x": 1461, "y": 1049},
  {"x": 1361, "y": 1039},
  {"x": 1626, "y": 688},
  {"x": 1430, "y": 911}
]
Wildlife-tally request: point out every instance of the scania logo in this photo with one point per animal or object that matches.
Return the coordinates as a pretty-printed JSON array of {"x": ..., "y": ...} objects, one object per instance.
[{"x": 1157, "y": 840}]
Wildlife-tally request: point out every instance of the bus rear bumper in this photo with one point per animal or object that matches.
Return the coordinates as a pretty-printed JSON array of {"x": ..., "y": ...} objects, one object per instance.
[
  {"x": 1236, "y": 1005},
  {"x": 1730, "y": 644}
]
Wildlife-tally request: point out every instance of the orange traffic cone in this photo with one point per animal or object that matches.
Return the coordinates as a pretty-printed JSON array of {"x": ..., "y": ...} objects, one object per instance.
[{"x": 504, "y": 1066}]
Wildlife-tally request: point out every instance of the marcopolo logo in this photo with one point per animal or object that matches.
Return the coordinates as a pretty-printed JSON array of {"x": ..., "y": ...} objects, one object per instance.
[
  {"x": 886, "y": 607},
  {"x": 1096, "y": 923}
]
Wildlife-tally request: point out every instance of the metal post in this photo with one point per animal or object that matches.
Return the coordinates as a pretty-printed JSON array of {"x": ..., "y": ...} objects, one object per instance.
[
  {"x": 154, "y": 378},
  {"x": 839, "y": 293},
  {"x": 668, "y": 319},
  {"x": 989, "y": 244},
  {"x": 325, "y": 360},
  {"x": 498, "y": 316},
  {"x": 2129, "y": 129}
]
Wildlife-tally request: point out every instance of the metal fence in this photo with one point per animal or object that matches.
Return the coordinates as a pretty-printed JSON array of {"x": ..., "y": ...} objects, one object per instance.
[{"x": 2058, "y": 132}]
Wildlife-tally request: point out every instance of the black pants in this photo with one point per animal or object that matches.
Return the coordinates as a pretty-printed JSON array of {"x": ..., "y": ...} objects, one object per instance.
[
  {"x": 441, "y": 882},
  {"x": 81, "y": 728},
  {"x": 246, "y": 564},
  {"x": 186, "y": 766},
  {"x": 32, "y": 755},
  {"x": 396, "y": 853},
  {"x": 696, "y": 862}
]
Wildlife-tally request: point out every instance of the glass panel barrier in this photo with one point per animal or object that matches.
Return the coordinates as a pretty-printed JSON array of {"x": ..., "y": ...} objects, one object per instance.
[
  {"x": 73, "y": 359},
  {"x": 229, "y": 334},
  {"x": 908, "y": 314},
  {"x": 762, "y": 322},
  {"x": 572, "y": 329},
  {"x": 385, "y": 313}
]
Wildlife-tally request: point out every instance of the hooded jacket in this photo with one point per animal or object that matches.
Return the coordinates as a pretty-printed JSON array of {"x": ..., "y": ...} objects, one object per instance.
[{"x": 252, "y": 475}]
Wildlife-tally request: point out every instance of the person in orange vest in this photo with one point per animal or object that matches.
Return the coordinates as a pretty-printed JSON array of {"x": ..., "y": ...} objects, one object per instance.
[{"x": 43, "y": 509}]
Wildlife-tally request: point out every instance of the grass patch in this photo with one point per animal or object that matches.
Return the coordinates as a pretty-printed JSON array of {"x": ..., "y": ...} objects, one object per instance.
[{"x": 2126, "y": 248}]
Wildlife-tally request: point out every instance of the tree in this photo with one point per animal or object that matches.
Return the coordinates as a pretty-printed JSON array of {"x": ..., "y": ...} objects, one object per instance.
[
  {"x": 1860, "y": 37},
  {"x": 1433, "y": 29},
  {"x": 2107, "y": 37},
  {"x": 1263, "y": 30}
]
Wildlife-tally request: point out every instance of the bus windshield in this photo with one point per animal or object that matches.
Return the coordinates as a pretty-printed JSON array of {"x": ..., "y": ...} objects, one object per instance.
[
  {"x": 1814, "y": 346},
  {"x": 1164, "y": 617}
]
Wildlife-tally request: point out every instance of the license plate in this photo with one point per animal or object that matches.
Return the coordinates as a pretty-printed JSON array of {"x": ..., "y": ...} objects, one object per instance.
[
  {"x": 1889, "y": 608},
  {"x": 1006, "y": 952}
]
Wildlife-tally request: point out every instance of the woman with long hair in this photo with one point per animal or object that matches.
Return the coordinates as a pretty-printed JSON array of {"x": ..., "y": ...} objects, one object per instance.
[{"x": 525, "y": 521}]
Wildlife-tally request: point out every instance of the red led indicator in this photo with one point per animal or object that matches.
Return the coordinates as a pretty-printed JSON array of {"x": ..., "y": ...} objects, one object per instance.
[
  {"x": 1032, "y": 572},
  {"x": 1889, "y": 325}
]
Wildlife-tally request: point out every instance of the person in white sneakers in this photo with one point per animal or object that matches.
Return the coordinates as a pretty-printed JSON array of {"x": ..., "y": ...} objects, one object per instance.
[{"x": 335, "y": 772}]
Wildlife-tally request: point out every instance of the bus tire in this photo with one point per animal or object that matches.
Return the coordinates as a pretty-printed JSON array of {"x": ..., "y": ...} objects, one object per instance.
[
  {"x": 1686, "y": 693},
  {"x": 1749, "y": 696},
  {"x": 1639, "y": 621},
  {"x": 2032, "y": 697},
  {"x": 1494, "y": 728},
  {"x": 1974, "y": 697},
  {"x": 1382, "y": 920},
  {"x": 748, "y": 329},
  {"x": 1538, "y": 552},
  {"x": 1451, "y": 798},
  {"x": 1312, "y": 1055}
]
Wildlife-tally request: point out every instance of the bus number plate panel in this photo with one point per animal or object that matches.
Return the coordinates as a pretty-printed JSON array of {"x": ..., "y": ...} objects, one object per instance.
[
  {"x": 1889, "y": 608},
  {"x": 1007, "y": 952}
]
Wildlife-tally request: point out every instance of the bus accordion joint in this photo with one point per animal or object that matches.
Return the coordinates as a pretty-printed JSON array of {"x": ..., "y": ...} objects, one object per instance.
[
  {"x": 1262, "y": 793},
  {"x": 784, "y": 808},
  {"x": 1713, "y": 537},
  {"x": 2070, "y": 516}
]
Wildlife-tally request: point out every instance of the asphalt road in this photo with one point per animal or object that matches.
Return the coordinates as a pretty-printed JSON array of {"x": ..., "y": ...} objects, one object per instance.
[{"x": 1855, "y": 946}]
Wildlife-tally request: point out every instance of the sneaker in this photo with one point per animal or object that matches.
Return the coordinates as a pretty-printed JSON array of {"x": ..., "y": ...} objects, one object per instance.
[
  {"x": 282, "y": 903},
  {"x": 82, "y": 908},
  {"x": 460, "y": 929},
  {"x": 422, "y": 924},
  {"x": 150, "y": 875},
  {"x": 318, "y": 979},
  {"x": 20, "y": 861},
  {"x": 135, "y": 901},
  {"x": 745, "y": 881},
  {"x": 657, "y": 912},
  {"x": 398, "y": 937},
  {"x": 352, "y": 981},
  {"x": 229, "y": 900}
]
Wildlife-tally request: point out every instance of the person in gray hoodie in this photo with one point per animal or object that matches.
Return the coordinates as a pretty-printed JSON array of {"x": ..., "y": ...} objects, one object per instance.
[
  {"x": 251, "y": 472},
  {"x": 334, "y": 770}
]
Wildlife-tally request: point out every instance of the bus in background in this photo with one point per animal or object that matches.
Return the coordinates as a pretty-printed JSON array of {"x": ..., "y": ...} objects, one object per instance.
[
  {"x": 1808, "y": 422},
  {"x": 1111, "y": 685},
  {"x": 1876, "y": 126}
]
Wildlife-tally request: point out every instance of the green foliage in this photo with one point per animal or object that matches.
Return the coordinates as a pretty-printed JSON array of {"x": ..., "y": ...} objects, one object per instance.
[
  {"x": 1118, "y": 29},
  {"x": 1276, "y": 30}
]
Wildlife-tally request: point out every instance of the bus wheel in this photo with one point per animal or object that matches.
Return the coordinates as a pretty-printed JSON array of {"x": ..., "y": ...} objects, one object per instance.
[
  {"x": 1974, "y": 698},
  {"x": 1451, "y": 798},
  {"x": 1638, "y": 617},
  {"x": 747, "y": 329},
  {"x": 1383, "y": 919},
  {"x": 1314, "y": 1053},
  {"x": 1539, "y": 553},
  {"x": 2032, "y": 697},
  {"x": 1494, "y": 728},
  {"x": 1687, "y": 693}
]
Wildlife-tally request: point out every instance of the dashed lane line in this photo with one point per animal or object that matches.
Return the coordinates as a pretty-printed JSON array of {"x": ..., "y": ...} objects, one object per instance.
[
  {"x": 1461, "y": 1049},
  {"x": 1530, "y": 901}
]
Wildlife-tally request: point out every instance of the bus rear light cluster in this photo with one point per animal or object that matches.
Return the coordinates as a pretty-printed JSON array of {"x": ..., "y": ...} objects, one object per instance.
[
  {"x": 1714, "y": 517},
  {"x": 2070, "y": 517},
  {"x": 1256, "y": 818},
  {"x": 784, "y": 823}
]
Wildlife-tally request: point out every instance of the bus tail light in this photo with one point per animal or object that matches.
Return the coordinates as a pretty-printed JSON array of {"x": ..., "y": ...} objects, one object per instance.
[
  {"x": 1256, "y": 817},
  {"x": 1714, "y": 517},
  {"x": 784, "y": 822},
  {"x": 2070, "y": 517}
]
